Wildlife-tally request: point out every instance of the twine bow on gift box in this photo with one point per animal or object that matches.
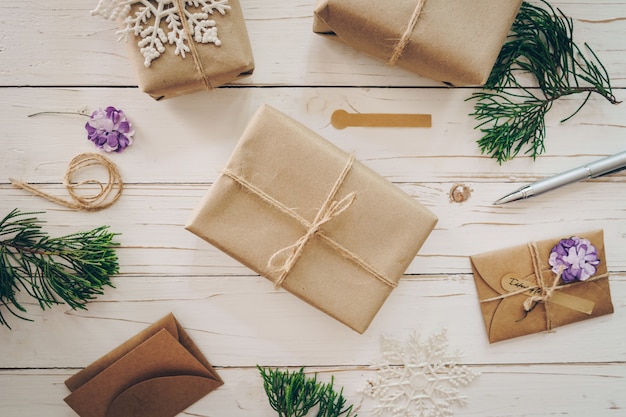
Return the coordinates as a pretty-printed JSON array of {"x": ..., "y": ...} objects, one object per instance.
[
  {"x": 544, "y": 291},
  {"x": 285, "y": 259}
]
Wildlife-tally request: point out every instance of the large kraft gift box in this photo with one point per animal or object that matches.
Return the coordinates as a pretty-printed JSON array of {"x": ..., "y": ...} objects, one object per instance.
[
  {"x": 302, "y": 213},
  {"x": 447, "y": 40},
  {"x": 506, "y": 279},
  {"x": 205, "y": 65}
]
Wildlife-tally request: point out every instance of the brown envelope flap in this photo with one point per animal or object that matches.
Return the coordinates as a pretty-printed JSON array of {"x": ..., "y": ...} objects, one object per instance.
[
  {"x": 168, "y": 322},
  {"x": 161, "y": 397},
  {"x": 490, "y": 267},
  {"x": 159, "y": 356}
]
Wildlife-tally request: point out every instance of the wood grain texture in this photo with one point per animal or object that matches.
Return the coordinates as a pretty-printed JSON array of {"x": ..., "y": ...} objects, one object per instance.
[{"x": 54, "y": 56}]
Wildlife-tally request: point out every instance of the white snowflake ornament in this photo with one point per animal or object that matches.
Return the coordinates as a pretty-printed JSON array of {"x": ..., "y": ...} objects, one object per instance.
[
  {"x": 418, "y": 378},
  {"x": 193, "y": 19}
]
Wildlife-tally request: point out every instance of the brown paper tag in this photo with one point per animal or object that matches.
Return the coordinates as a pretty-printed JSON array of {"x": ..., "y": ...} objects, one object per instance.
[
  {"x": 342, "y": 119},
  {"x": 511, "y": 284}
]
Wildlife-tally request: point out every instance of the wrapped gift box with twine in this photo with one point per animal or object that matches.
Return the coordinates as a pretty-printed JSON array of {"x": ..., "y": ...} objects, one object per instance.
[
  {"x": 310, "y": 218},
  {"x": 447, "y": 40},
  {"x": 178, "y": 48}
]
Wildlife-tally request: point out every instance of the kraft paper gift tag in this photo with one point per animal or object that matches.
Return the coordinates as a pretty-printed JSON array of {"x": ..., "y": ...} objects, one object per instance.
[
  {"x": 506, "y": 279},
  {"x": 447, "y": 40},
  {"x": 204, "y": 67},
  {"x": 158, "y": 373},
  {"x": 302, "y": 213}
]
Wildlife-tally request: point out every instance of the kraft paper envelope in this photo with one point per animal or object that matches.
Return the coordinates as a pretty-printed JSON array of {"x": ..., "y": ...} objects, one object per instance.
[
  {"x": 275, "y": 186},
  {"x": 158, "y": 373},
  {"x": 501, "y": 272},
  {"x": 455, "y": 41}
]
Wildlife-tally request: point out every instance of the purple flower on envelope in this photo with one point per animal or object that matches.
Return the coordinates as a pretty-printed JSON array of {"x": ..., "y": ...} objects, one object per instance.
[
  {"x": 574, "y": 258},
  {"x": 109, "y": 129}
]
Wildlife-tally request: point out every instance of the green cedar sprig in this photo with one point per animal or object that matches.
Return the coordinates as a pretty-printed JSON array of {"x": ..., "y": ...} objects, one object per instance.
[
  {"x": 511, "y": 116},
  {"x": 71, "y": 269},
  {"x": 294, "y": 394}
]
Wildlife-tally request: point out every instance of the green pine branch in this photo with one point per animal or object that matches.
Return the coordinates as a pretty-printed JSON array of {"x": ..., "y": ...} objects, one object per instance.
[
  {"x": 512, "y": 116},
  {"x": 71, "y": 269},
  {"x": 294, "y": 394}
]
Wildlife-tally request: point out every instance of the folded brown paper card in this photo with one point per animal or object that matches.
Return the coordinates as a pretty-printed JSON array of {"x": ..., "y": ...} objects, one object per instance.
[
  {"x": 178, "y": 48},
  {"x": 304, "y": 214},
  {"x": 520, "y": 293},
  {"x": 446, "y": 40},
  {"x": 158, "y": 373}
]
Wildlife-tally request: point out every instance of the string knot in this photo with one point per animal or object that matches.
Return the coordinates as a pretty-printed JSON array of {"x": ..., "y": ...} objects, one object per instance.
[
  {"x": 545, "y": 294},
  {"x": 283, "y": 260}
]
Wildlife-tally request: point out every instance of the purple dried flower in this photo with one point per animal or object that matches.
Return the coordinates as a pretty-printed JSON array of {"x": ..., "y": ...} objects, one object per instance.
[
  {"x": 575, "y": 258},
  {"x": 109, "y": 129}
]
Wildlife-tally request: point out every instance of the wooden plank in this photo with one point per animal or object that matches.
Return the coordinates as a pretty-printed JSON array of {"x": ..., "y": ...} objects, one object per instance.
[
  {"x": 44, "y": 43},
  {"x": 242, "y": 321},
  {"x": 188, "y": 139},
  {"x": 537, "y": 390}
]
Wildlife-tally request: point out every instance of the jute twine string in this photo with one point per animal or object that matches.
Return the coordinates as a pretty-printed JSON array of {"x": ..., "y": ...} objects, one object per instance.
[
  {"x": 284, "y": 259},
  {"x": 406, "y": 36},
  {"x": 192, "y": 46},
  {"x": 545, "y": 291},
  {"x": 103, "y": 199}
]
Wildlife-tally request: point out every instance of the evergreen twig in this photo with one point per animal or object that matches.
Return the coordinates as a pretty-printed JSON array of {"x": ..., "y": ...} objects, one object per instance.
[
  {"x": 294, "y": 394},
  {"x": 71, "y": 269},
  {"x": 512, "y": 116}
]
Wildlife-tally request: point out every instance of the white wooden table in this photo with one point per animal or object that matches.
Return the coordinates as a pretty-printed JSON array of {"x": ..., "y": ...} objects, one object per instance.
[{"x": 54, "y": 56}]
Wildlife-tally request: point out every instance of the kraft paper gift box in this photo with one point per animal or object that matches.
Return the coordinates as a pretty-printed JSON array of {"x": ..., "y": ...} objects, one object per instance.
[
  {"x": 301, "y": 212},
  {"x": 447, "y": 40},
  {"x": 204, "y": 66},
  {"x": 158, "y": 373},
  {"x": 507, "y": 279}
]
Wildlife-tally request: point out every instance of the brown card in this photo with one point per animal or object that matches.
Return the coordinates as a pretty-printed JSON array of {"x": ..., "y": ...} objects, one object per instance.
[
  {"x": 348, "y": 264},
  {"x": 158, "y": 373},
  {"x": 501, "y": 275},
  {"x": 452, "y": 41}
]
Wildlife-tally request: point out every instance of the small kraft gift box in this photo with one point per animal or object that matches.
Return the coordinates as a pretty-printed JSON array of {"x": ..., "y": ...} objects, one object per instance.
[
  {"x": 453, "y": 41},
  {"x": 304, "y": 214},
  {"x": 541, "y": 285},
  {"x": 179, "y": 47}
]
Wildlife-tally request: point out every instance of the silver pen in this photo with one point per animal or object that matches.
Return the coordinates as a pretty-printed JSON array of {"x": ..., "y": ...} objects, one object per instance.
[{"x": 595, "y": 169}]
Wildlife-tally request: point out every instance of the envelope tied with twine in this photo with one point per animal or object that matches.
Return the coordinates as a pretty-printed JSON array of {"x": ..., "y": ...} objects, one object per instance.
[
  {"x": 313, "y": 220},
  {"x": 158, "y": 373},
  {"x": 446, "y": 40},
  {"x": 520, "y": 294}
]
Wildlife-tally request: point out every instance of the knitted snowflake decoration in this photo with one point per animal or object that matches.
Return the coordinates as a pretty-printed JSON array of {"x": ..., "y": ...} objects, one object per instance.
[
  {"x": 418, "y": 379},
  {"x": 146, "y": 23}
]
